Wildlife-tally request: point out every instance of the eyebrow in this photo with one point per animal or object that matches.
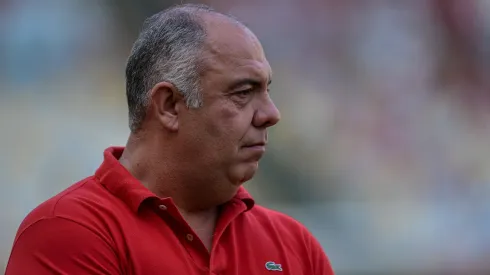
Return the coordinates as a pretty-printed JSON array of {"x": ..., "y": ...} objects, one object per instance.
[{"x": 248, "y": 81}]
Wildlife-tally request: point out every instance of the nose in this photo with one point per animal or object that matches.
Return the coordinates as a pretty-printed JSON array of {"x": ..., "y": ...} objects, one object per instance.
[{"x": 267, "y": 114}]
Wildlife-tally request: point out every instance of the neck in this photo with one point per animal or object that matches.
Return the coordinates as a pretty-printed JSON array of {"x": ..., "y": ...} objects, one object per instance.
[
  {"x": 201, "y": 221},
  {"x": 164, "y": 176}
]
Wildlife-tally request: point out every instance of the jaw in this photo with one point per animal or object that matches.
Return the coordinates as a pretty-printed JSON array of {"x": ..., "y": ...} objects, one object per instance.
[
  {"x": 246, "y": 167},
  {"x": 244, "y": 172}
]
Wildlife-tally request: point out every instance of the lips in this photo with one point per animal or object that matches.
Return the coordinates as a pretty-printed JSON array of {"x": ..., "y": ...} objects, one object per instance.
[
  {"x": 256, "y": 149},
  {"x": 256, "y": 144}
]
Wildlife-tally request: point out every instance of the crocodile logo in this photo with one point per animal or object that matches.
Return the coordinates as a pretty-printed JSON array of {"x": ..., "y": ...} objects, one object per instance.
[{"x": 272, "y": 266}]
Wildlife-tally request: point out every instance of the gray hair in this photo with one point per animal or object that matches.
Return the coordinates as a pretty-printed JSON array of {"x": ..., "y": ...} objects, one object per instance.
[{"x": 167, "y": 49}]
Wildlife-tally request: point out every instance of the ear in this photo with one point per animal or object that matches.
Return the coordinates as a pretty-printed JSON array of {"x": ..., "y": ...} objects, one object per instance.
[{"x": 164, "y": 101}]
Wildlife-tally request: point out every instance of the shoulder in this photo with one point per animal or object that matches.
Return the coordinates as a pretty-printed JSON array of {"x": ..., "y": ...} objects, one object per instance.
[
  {"x": 293, "y": 235},
  {"x": 280, "y": 224},
  {"x": 86, "y": 203},
  {"x": 73, "y": 232},
  {"x": 279, "y": 220},
  {"x": 62, "y": 246}
]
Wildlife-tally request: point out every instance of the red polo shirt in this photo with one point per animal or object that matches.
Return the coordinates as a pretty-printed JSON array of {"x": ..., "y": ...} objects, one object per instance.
[{"x": 110, "y": 223}]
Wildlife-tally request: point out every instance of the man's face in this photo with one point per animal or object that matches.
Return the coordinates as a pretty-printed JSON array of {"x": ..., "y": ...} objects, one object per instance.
[{"x": 228, "y": 134}]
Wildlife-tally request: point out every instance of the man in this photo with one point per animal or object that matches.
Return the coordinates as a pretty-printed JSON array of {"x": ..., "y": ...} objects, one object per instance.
[{"x": 171, "y": 201}]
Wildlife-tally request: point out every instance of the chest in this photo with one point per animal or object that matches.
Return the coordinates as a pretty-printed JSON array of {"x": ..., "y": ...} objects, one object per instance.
[{"x": 239, "y": 249}]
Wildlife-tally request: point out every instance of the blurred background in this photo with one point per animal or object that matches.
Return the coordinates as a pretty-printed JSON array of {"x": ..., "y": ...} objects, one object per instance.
[{"x": 383, "y": 151}]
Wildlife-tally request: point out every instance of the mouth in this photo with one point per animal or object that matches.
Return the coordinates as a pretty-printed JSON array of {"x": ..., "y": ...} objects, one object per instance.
[{"x": 258, "y": 146}]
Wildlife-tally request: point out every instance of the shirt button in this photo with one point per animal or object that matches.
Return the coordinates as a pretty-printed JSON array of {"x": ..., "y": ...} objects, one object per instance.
[
  {"x": 190, "y": 237},
  {"x": 162, "y": 207}
]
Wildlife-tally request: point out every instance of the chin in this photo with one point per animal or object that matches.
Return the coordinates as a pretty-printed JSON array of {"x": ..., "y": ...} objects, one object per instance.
[{"x": 247, "y": 173}]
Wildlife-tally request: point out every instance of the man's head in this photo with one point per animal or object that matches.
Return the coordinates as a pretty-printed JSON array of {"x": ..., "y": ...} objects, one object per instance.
[
  {"x": 167, "y": 49},
  {"x": 197, "y": 86}
]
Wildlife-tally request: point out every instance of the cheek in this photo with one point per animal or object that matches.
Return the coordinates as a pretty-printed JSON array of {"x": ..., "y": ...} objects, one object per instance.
[
  {"x": 234, "y": 122},
  {"x": 224, "y": 127},
  {"x": 223, "y": 124}
]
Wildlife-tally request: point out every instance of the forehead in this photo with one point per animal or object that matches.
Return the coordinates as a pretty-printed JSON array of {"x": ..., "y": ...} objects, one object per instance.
[{"x": 233, "y": 51}]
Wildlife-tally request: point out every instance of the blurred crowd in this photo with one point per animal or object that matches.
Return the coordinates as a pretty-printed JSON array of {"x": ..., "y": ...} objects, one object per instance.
[{"x": 383, "y": 150}]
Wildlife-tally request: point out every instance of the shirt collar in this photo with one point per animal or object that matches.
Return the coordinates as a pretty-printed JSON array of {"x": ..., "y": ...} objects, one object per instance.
[
  {"x": 243, "y": 196},
  {"x": 117, "y": 180}
]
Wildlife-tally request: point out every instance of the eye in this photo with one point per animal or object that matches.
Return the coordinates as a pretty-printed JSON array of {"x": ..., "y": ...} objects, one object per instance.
[{"x": 243, "y": 93}]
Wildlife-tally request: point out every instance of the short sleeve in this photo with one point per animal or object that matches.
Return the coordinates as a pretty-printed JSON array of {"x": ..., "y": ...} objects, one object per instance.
[{"x": 61, "y": 246}]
